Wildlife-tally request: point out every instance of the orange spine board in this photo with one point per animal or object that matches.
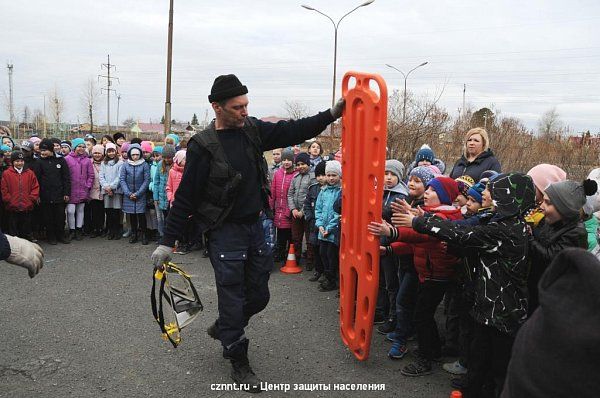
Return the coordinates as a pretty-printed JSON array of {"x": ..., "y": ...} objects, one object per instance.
[{"x": 364, "y": 139}]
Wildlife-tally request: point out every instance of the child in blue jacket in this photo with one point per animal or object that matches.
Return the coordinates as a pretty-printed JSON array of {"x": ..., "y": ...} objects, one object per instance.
[{"x": 327, "y": 220}]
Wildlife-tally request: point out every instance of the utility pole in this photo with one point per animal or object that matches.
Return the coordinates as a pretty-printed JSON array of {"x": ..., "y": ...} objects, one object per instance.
[
  {"x": 167, "y": 125},
  {"x": 108, "y": 78},
  {"x": 11, "y": 109},
  {"x": 118, "y": 104}
]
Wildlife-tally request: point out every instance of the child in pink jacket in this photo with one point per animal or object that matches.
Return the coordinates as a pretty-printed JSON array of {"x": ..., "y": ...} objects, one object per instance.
[
  {"x": 175, "y": 175},
  {"x": 282, "y": 179}
]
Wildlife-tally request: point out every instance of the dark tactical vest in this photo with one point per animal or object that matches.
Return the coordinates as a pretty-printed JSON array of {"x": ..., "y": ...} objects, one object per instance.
[{"x": 223, "y": 180}]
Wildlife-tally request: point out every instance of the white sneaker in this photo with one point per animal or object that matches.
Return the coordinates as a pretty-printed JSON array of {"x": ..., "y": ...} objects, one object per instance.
[{"x": 455, "y": 368}]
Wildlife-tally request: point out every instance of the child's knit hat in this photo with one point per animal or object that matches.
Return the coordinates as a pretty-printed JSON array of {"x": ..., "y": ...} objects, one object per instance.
[
  {"x": 464, "y": 183},
  {"x": 168, "y": 151},
  {"x": 66, "y": 143},
  {"x": 395, "y": 167},
  {"x": 35, "y": 140},
  {"x": 545, "y": 174},
  {"x": 287, "y": 154},
  {"x": 446, "y": 189},
  {"x": 174, "y": 137},
  {"x": 333, "y": 166},
  {"x": 134, "y": 147},
  {"x": 476, "y": 191},
  {"x": 303, "y": 157},
  {"x": 157, "y": 149},
  {"x": 423, "y": 173},
  {"x": 110, "y": 145},
  {"x": 76, "y": 142},
  {"x": 569, "y": 196},
  {"x": 320, "y": 169},
  {"x": 98, "y": 149},
  {"x": 146, "y": 146},
  {"x": 425, "y": 153},
  {"x": 15, "y": 155},
  {"x": 125, "y": 147}
]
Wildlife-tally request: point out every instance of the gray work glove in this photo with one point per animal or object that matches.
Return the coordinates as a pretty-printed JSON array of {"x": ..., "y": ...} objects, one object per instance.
[
  {"x": 161, "y": 255},
  {"x": 25, "y": 254},
  {"x": 338, "y": 108}
]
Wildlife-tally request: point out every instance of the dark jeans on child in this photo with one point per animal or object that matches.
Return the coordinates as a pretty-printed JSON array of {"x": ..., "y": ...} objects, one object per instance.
[
  {"x": 300, "y": 231},
  {"x": 405, "y": 302},
  {"x": 489, "y": 356},
  {"x": 389, "y": 264},
  {"x": 330, "y": 257},
  {"x": 284, "y": 236},
  {"x": 54, "y": 219},
  {"x": 429, "y": 295},
  {"x": 97, "y": 215},
  {"x": 19, "y": 223}
]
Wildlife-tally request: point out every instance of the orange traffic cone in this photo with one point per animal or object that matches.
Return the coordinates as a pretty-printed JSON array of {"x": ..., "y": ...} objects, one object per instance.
[
  {"x": 456, "y": 394},
  {"x": 291, "y": 265}
]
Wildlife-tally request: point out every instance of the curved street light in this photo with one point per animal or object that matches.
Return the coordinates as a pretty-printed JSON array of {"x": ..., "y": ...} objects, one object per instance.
[
  {"x": 335, "y": 29},
  {"x": 405, "y": 78}
]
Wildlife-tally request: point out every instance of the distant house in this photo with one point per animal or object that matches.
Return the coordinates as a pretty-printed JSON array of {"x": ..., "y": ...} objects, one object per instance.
[
  {"x": 273, "y": 119},
  {"x": 585, "y": 139}
]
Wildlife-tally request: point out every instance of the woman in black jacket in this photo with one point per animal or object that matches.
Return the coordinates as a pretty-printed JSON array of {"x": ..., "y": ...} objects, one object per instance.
[{"x": 477, "y": 156}]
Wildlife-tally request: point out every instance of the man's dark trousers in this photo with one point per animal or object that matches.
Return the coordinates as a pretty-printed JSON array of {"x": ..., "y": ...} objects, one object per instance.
[{"x": 242, "y": 263}]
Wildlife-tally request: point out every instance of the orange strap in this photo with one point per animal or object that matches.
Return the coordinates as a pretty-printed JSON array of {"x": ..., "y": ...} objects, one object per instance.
[{"x": 364, "y": 136}]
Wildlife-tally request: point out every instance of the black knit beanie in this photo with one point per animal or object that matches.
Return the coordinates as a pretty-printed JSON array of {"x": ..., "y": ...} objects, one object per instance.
[{"x": 225, "y": 87}]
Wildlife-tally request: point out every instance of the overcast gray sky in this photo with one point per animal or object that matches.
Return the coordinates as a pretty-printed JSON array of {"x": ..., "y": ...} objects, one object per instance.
[{"x": 522, "y": 57}]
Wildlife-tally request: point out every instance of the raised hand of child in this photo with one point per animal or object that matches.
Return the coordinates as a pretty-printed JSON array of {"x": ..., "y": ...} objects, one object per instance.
[
  {"x": 379, "y": 228},
  {"x": 402, "y": 220}
]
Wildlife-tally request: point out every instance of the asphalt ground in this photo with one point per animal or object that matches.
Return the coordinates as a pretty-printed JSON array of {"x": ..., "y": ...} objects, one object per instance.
[{"x": 83, "y": 328}]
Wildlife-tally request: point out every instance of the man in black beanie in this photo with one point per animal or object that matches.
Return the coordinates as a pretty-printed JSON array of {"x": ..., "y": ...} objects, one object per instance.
[{"x": 225, "y": 187}]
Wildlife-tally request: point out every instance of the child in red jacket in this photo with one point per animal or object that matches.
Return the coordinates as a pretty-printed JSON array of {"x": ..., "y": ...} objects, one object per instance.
[
  {"x": 434, "y": 266},
  {"x": 20, "y": 192}
]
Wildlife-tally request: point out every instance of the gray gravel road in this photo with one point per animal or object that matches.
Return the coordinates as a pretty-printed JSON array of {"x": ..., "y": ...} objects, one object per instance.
[{"x": 83, "y": 328}]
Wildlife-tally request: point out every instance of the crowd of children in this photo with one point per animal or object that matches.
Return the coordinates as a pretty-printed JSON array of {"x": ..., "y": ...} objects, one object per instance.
[
  {"x": 476, "y": 245},
  {"x": 61, "y": 191},
  {"x": 480, "y": 246}
]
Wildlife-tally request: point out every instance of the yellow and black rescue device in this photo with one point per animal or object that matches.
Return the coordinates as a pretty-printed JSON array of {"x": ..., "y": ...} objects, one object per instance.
[{"x": 183, "y": 302}]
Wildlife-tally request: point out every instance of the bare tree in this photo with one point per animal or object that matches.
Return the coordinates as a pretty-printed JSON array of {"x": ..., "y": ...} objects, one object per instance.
[
  {"x": 129, "y": 122},
  {"x": 296, "y": 109},
  {"x": 91, "y": 94},
  {"x": 550, "y": 126},
  {"x": 26, "y": 114},
  {"x": 57, "y": 108},
  {"x": 38, "y": 119}
]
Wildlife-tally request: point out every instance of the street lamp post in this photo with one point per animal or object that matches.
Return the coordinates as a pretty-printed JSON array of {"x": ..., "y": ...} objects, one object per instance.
[
  {"x": 167, "y": 124},
  {"x": 335, "y": 30},
  {"x": 405, "y": 79}
]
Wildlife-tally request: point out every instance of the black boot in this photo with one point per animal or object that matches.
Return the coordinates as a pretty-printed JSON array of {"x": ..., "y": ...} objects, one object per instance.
[
  {"x": 64, "y": 238},
  {"x": 315, "y": 277},
  {"x": 134, "y": 237},
  {"x": 213, "y": 330},
  {"x": 118, "y": 233},
  {"x": 144, "y": 237},
  {"x": 241, "y": 372},
  {"x": 111, "y": 234},
  {"x": 78, "y": 234}
]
